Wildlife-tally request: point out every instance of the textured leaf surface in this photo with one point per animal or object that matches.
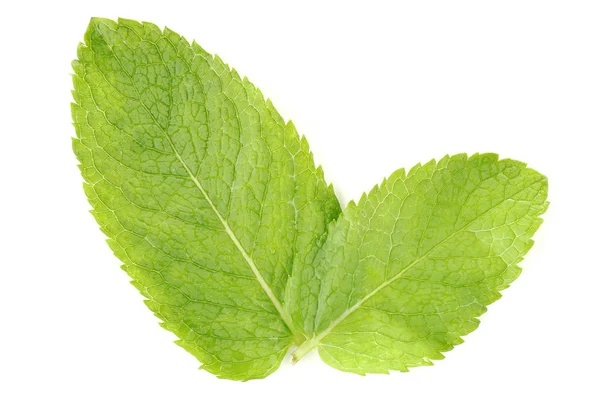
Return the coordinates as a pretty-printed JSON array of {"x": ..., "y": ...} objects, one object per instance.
[
  {"x": 223, "y": 222},
  {"x": 206, "y": 195},
  {"x": 406, "y": 271}
]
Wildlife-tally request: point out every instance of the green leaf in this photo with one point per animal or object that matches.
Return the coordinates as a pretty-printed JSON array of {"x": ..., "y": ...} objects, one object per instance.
[
  {"x": 406, "y": 271},
  {"x": 221, "y": 219},
  {"x": 206, "y": 195}
]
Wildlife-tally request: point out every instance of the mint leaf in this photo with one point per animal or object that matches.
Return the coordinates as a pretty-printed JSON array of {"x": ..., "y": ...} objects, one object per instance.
[
  {"x": 221, "y": 219},
  {"x": 206, "y": 195},
  {"x": 407, "y": 271}
]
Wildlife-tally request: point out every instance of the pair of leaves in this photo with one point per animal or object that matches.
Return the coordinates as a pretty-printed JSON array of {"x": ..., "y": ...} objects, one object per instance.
[{"x": 216, "y": 209}]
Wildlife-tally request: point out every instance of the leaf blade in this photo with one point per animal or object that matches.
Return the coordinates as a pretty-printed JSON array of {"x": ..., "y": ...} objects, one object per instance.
[
  {"x": 191, "y": 173},
  {"x": 390, "y": 288}
]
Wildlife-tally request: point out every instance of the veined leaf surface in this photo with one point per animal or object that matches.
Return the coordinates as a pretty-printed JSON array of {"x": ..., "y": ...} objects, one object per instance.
[
  {"x": 206, "y": 195},
  {"x": 407, "y": 271},
  {"x": 221, "y": 219}
]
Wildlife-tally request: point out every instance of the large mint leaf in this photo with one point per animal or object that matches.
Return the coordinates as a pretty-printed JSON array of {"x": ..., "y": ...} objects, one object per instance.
[
  {"x": 206, "y": 195},
  {"x": 406, "y": 271}
]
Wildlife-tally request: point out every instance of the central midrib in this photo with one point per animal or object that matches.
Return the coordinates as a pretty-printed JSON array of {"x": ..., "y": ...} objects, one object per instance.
[{"x": 282, "y": 312}]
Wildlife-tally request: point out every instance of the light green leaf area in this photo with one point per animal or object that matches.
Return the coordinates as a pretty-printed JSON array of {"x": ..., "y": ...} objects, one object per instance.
[
  {"x": 215, "y": 207},
  {"x": 207, "y": 196},
  {"x": 406, "y": 271}
]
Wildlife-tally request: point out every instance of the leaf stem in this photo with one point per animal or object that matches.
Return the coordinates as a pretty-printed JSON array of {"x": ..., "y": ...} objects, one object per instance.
[{"x": 305, "y": 348}]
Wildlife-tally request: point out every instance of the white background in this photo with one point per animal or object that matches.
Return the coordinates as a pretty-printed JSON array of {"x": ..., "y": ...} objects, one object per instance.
[{"x": 374, "y": 86}]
